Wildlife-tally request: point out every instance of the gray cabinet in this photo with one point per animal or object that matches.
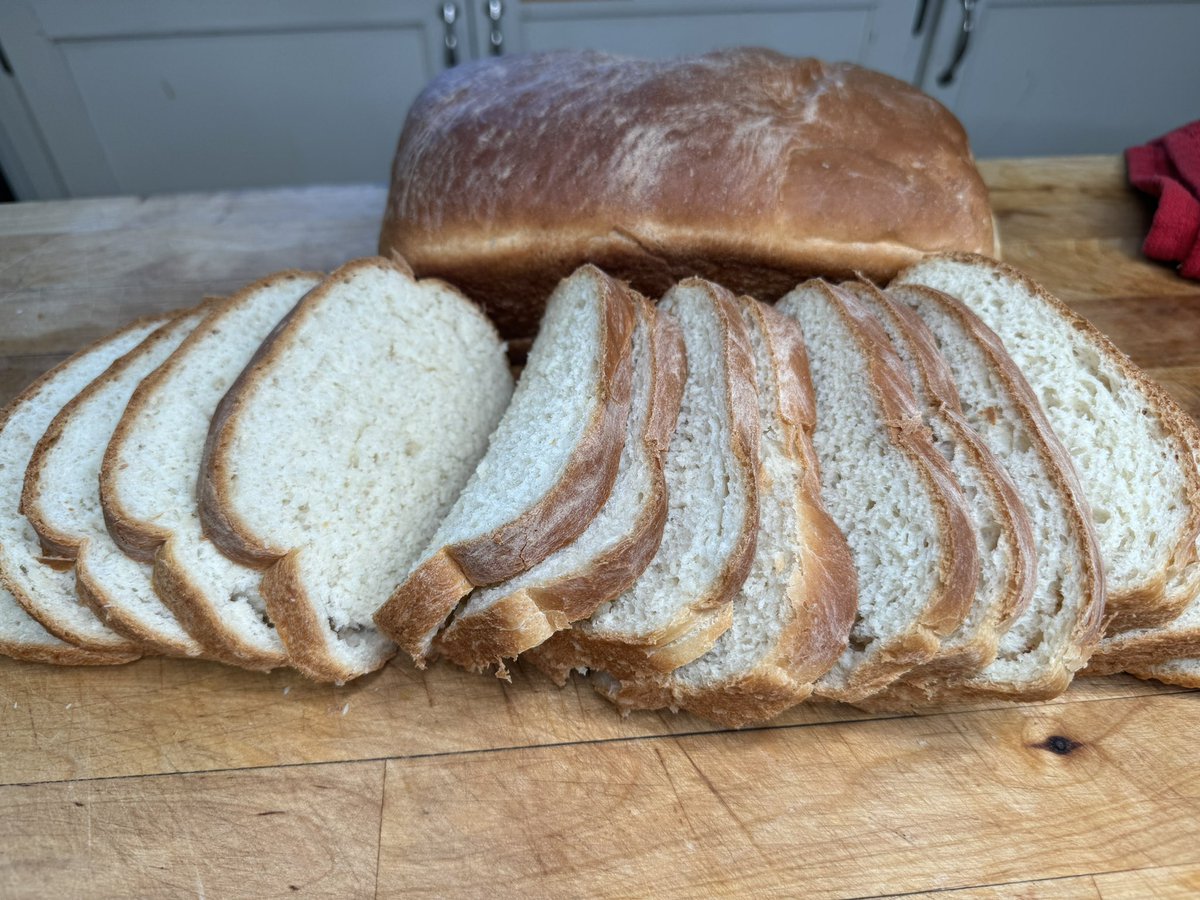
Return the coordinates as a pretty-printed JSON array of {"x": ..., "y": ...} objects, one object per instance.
[
  {"x": 1044, "y": 77},
  {"x": 142, "y": 96},
  {"x": 145, "y": 96},
  {"x": 882, "y": 34}
]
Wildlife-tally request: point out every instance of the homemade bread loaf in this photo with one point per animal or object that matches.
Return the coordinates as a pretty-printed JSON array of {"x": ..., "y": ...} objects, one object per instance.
[
  {"x": 1056, "y": 634},
  {"x": 680, "y": 605},
  {"x": 743, "y": 166},
  {"x": 342, "y": 444},
  {"x": 47, "y": 592},
  {"x": 549, "y": 466},
  {"x": 890, "y": 491},
  {"x": 61, "y": 498},
  {"x": 792, "y": 616},
  {"x": 502, "y": 621},
  {"x": 1129, "y": 440},
  {"x": 148, "y": 478},
  {"x": 1002, "y": 531}
]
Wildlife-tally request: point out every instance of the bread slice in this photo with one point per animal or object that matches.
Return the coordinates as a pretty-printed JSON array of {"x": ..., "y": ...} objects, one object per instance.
[
  {"x": 1129, "y": 440},
  {"x": 1183, "y": 672},
  {"x": 680, "y": 605},
  {"x": 23, "y": 638},
  {"x": 793, "y": 614},
  {"x": 148, "y": 476},
  {"x": 891, "y": 492},
  {"x": 1001, "y": 527},
  {"x": 338, "y": 449},
  {"x": 549, "y": 467},
  {"x": 47, "y": 592},
  {"x": 62, "y": 502},
  {"x": 1056, "y": 634},
  {"x": 502, "y": 621}
]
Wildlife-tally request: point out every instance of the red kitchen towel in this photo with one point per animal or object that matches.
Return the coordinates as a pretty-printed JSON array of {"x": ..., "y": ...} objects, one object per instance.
[{"x": 1169, "y": 168}]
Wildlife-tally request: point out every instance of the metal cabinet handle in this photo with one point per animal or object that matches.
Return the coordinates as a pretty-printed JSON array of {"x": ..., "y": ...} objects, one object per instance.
[
  {"x": 450, "y": 36},
  {"x": 919, "y": 21},
  {"x": 494, "y": 10},
  {"x": 964, "y": 41}
]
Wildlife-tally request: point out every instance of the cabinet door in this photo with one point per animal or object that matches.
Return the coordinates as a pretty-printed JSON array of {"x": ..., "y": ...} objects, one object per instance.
[
  {"x": 882, "y": 34},
  {"x": 138, "y": 96},
  {"x": 1061, "y": 76}
]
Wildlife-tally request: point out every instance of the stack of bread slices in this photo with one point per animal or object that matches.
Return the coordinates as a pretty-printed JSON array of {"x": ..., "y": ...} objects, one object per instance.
[{"x": 948, "y": 488}]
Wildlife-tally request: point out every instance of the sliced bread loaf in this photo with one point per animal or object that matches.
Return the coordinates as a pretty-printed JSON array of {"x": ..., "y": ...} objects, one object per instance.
[
  {"x": 502, "y": 621},
  {"x": 1128, "y": 439},
  {"x": 1002, "y": 530},
  {"x": 47, "y": 591},
  {"x": 62, "y": 501},
  {"x": 148, "y": 477},
  {"x": 891, "y": 492},
  {"x": 680, "y": 605},
  {"x": 342, "y": 444},
  {"x": 793, "y": 614},
  {"x": 549, "y": 466},
  {"x": 1056, "y": 634}
]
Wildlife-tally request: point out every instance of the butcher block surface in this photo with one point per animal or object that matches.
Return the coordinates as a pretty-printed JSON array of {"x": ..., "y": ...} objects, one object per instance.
[{"x": 169, "y": 778}]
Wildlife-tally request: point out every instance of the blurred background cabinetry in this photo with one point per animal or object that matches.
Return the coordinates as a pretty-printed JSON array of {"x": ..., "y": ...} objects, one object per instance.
[{"x": 144, "y": 96}]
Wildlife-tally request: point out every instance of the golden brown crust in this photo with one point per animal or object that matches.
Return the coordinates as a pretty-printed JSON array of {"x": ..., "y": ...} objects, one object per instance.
[
  {"x": 846, "y": 170},
  {"x": 45, "y": 617},
  {"x": 528, "y": 616},
  {"x": 1086, "y": 631},
  {"x": 298, "y": 624},
  {"x": 696, "y": 625},
  {"x": 56, "y": 542},
  {"x": 296, "y": 616},
  {"x": 1159, "y": 672},
  {"x": 173, "y": 583},
  {"x": 419, "y": 606},
  {"x": 140, "y": 539},
  {"x": 1146, "y": 604},
  {"x": 64, "y": 654},
  {"x": 823, "y": 590},
  {"x": 938, "y": 383},
  {"x": 96, "y": 597},
  {"x": 958, "y": 563}
]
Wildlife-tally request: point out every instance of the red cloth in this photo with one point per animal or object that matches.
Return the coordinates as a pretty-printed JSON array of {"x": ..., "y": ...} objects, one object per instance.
[{"x": 1169, "y": 168}]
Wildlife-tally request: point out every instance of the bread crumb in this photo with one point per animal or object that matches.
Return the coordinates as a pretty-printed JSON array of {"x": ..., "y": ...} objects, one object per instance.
[
  {"x": 345, "y": 709},
  {"x": 287, "y": 690}
]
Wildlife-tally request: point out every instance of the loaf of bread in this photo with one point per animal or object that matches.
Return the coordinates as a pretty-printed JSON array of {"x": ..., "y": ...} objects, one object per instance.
[{"x": 746, "y": 167}]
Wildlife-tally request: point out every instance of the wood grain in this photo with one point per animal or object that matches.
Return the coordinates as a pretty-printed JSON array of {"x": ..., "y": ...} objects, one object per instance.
[
  {"x": 168, "y": 715},
  {"x": 278, "y": 833},
  {"x": 824, "y": 811},
  {"x": 494, "y": 788}
]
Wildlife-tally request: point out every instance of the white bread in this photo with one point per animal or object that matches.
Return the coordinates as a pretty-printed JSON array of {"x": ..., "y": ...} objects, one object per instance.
[
  {"x": 1056, "y": 634},
  {"x": 45, "y": 592},
  {"x": 504, "y": 620},
  {"x": 62, "y": 501},
  {"x": 337, "y": 451},
  {"x": 680, "y": 605},
  {"x": 1129, "y": 440},
  {"x": 891, "y": 492},
  {"x": 1001, "y": 526},
  {"x": 549, "y": 466},
  {"x": 148, "y": 477},
  {"x": 793, "y": 614},
  {"x": 744, "y": 166}
]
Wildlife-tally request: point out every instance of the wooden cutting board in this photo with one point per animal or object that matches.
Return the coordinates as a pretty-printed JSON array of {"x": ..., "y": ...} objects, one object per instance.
[{"x": 175, "y": 778}]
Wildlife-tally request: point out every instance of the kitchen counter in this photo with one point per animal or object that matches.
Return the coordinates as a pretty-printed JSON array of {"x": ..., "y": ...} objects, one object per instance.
[{"x": 181, "y": 778}]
